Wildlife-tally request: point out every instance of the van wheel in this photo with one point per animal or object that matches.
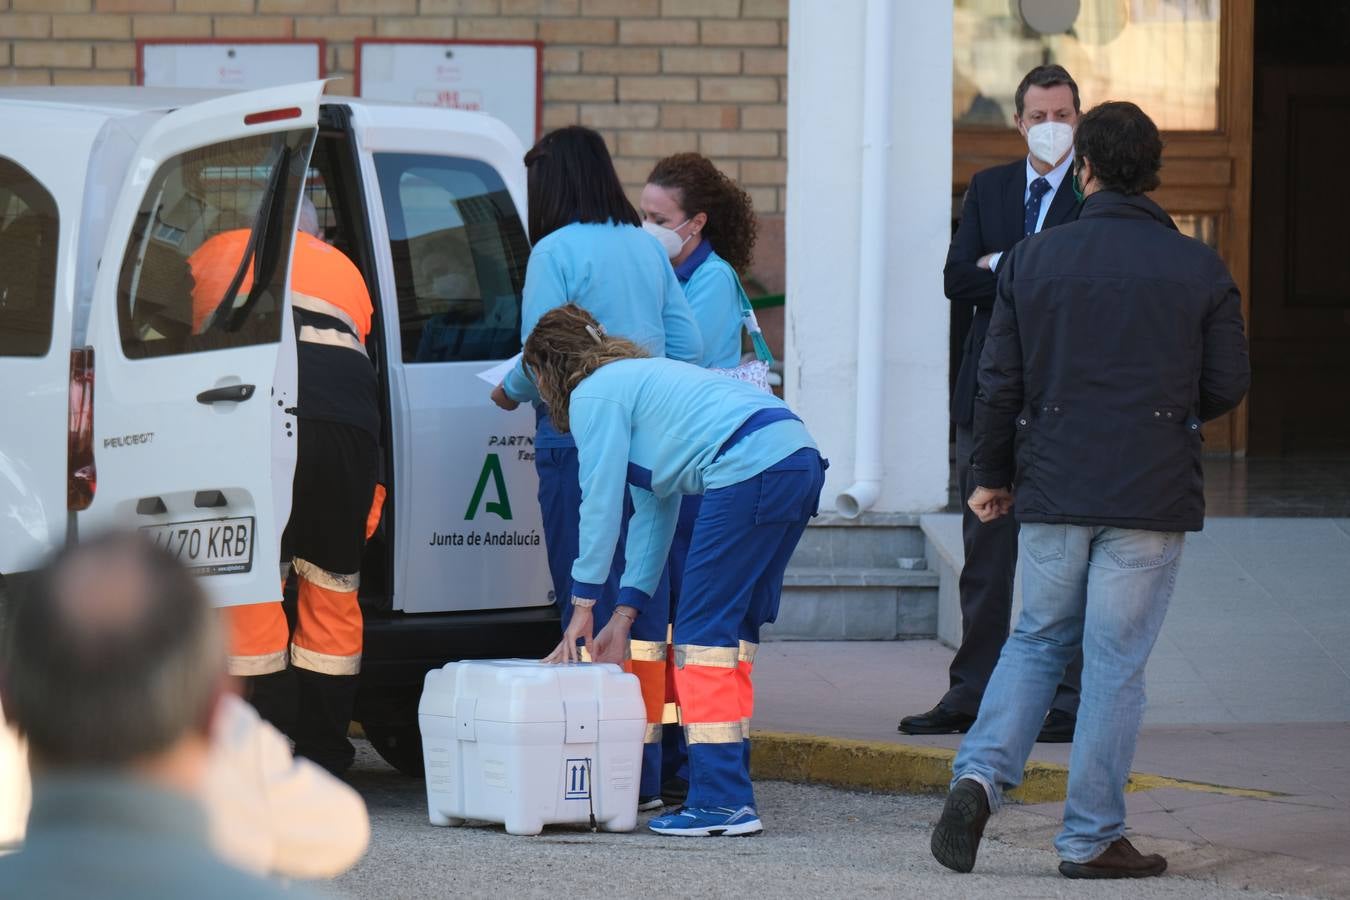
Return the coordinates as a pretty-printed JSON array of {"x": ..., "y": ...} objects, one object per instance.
[{"x": 398, "y": 745}]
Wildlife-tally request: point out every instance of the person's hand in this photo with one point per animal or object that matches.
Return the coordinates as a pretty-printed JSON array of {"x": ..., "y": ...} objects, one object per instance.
[
  {"x": 499, "y": 397},
  {"x": 989, "y": 504},
  {"x": 611, "y": 644},
  {"x": 985, "y": 262},
  {"x": 579, "y": 628}
]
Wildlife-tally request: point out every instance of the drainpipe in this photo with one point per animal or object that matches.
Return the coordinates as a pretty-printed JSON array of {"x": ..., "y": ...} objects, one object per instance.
[{"x": 872, "y": 247}]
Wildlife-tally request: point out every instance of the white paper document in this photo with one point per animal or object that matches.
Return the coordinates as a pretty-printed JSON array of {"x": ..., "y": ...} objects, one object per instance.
[{"x": 494, "y": 375}]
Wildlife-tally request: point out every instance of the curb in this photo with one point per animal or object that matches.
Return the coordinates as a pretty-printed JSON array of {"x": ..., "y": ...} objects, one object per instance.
[{"x": 911, "y": 769}]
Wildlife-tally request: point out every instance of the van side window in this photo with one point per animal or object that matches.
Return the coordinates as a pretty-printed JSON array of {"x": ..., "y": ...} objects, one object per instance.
[
  {"x": 459, "y": 253},
  {"x": 205, "y": 265},
  {"x": 28, "y": 232}
]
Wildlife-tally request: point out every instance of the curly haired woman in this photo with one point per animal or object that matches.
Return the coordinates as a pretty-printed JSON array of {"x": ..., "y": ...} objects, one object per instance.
[{"x": 707, "y": 225}]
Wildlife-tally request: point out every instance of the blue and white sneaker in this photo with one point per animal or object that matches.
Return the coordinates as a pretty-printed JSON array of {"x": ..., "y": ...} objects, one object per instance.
[{"x": 721, "y": 821}]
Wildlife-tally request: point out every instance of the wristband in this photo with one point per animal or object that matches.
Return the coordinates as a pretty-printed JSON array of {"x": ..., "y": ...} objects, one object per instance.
[
  {"x": 630, "y": 617},
  {"x": 583, "y": 602}
]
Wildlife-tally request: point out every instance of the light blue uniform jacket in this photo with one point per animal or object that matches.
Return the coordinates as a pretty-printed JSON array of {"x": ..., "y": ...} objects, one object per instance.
[
  {"x": 714, "y": 294},
  {"x": 619, "y": 274},
  {"x": 658, "y": 425}
]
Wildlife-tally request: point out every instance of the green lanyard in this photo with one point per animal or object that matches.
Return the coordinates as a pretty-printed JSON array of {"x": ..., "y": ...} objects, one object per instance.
[{"x": 762, "y": 352}]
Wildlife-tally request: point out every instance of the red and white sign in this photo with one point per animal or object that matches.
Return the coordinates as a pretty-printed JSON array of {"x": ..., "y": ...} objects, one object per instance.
[{"x": 500, "y": 78}]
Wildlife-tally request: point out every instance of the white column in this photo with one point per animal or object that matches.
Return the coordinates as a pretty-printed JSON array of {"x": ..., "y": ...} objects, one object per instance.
[{"x": 824, "y": 221}]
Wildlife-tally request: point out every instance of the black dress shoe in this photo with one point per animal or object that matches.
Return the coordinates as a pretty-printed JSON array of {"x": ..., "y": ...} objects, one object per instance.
[
  {"x": 956, "y": 839},
  {"x": 1119, "y": 860},
  {"x": 1058, "y": 728},
  {"x": 938, "y": 720}
]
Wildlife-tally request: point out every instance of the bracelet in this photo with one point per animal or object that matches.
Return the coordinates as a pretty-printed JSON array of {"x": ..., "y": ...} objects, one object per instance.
[
  {"x": 630, "y": 618},
  {"x": 583, "y": 602}
]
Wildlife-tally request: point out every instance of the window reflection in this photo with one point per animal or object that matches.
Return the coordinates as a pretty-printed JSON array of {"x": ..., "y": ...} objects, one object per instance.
[
  {"x": 1160, "y": 54},
  {"x": 1204, "y": 227}
]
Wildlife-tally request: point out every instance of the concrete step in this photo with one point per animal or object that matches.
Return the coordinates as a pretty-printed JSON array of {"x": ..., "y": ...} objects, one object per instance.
[
  {"x": 871, "y": 541},
  {"x": 804, "y": 576},
  {"x": 866, "y": 604}
]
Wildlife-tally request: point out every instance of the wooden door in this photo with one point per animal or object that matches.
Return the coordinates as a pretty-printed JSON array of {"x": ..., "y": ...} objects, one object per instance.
[{"x": 1300, "y": 323}]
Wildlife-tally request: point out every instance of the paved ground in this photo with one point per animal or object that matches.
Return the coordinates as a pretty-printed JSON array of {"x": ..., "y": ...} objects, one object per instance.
[
  {"x": 1258, "y": 630},
  {"x": 1249, "y": 687},
  {"x": 819, "y": 843}
]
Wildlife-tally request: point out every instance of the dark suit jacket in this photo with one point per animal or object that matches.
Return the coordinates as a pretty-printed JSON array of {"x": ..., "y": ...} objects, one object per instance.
[{"x": 991, "y": 221}]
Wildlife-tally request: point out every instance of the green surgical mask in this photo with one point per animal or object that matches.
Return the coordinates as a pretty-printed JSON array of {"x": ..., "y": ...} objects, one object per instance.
[{"x": 1077, "y": 187}]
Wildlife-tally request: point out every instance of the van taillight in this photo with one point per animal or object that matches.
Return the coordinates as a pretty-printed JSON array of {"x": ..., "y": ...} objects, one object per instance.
[
  {"x": 81, "y": 475},
  {"x": 272, "y": 115}
]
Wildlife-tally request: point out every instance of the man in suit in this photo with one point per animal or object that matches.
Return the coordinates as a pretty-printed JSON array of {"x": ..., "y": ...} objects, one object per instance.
[{"x": 1002, "y": 206}]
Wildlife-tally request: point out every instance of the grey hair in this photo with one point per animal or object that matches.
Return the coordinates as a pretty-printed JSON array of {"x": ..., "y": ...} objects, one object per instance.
[{"x": 112, "y": 654}]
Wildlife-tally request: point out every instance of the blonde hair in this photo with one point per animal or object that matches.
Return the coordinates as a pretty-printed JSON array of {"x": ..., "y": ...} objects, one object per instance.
[{"x": 565, "y": 347}]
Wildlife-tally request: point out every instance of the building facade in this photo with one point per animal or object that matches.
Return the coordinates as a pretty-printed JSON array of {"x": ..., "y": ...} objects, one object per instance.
[{"x": 655, "y": 77}]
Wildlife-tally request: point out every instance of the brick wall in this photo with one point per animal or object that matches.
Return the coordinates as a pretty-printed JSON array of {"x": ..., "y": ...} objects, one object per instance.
[{"x": 654, "y": 76}]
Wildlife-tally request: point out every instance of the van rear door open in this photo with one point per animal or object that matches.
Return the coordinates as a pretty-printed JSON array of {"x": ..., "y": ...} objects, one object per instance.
[{"x": 193, "y": 368}]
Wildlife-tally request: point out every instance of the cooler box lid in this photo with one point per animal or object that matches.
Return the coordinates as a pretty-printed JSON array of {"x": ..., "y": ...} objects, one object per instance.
[{"x": 530, "y": 692}]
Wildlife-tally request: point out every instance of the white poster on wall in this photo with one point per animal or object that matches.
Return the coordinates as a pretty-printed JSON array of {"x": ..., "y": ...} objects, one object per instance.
[
  {"x": 239, "y": 66},
  {"x": 500, "y": 79}
]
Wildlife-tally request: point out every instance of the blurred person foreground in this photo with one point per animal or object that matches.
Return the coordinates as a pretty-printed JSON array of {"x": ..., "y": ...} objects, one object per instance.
[{"x": 113, "y": 670}]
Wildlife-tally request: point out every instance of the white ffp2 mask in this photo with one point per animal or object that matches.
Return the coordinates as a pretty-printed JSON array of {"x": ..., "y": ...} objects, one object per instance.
[
  {"x": 670, "y": 238},
  {"x": 1049, "y": 141}
]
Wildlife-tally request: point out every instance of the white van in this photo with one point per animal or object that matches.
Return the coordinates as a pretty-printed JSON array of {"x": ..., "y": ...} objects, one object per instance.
[{"x": 119, "y": 410}]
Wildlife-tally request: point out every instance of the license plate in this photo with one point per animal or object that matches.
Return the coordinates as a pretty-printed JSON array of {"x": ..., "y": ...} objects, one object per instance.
[{"x": 208, "y": 547}]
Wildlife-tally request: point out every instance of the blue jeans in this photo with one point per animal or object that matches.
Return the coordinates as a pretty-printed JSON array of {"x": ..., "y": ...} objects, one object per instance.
[{"x": 1106, "y": 589}]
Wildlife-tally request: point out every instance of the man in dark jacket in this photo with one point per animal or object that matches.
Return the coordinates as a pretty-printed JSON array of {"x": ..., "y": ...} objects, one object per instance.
[
  {"x": 1112, "y": 340},
  {"x": 1002, "y": 206}
]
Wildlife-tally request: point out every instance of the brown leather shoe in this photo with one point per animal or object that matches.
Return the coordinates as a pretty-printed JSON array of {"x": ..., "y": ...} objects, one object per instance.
[
  {"x": 1119, "y": 860},
  {"x": 956, "y": 839}
]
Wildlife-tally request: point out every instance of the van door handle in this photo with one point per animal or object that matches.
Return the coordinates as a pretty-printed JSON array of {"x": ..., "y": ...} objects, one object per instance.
[{"x": 235, "y": 393}]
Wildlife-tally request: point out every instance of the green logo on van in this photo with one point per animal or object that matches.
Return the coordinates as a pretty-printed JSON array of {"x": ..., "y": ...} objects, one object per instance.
[{"x": 492, "y": 466}]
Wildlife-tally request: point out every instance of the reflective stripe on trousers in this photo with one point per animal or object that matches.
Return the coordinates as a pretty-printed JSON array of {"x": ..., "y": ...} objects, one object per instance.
[
  {"x": 328, "y": 621},
  {"x": 709, "y": 688},
  {"x": 745, "y": 670},
  {"x": 258, "y": 635},
  {"x": 647, "y": 660},
  {"x": 670, "y": 715}
]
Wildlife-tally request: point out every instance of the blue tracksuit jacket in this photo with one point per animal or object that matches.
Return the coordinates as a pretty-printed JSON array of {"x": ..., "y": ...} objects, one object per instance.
[
  {"x": 619, "y": 274},
  {"x": 660, "y": 426}
]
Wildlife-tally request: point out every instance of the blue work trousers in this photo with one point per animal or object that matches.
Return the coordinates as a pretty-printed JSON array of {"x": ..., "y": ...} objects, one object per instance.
[{"x": 742, "y": 540}]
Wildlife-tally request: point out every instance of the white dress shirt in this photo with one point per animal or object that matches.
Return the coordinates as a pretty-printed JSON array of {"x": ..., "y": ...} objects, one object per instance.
[{"x": 1056, "y": 178}]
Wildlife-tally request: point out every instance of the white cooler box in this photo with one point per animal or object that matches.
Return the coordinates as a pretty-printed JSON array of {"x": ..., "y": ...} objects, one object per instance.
[{"x": 529, "y": 744}]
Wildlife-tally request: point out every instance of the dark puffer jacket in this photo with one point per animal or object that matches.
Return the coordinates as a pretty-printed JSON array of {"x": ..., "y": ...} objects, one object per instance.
[{"x": 1113, "y": 338}]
